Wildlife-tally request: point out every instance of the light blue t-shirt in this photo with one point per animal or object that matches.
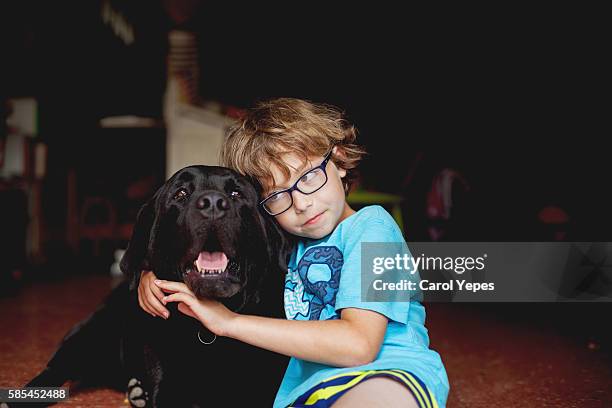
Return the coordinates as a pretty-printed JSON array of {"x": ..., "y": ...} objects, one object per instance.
[{"x": 324, "y": 276}]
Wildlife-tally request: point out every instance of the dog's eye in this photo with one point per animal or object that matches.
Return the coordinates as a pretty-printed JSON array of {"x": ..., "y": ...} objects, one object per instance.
[
  {"x": 181, "y": 194},
  {"x": 235, "y": 194}
]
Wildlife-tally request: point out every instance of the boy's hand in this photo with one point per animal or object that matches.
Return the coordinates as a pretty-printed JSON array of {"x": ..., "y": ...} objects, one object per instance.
[
  {"x": 150, "y": 295},
  {"x": 211, "y": 313}
]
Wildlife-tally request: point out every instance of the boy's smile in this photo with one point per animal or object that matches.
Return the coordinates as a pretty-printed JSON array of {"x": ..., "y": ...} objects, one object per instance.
[
  {"x": 314, "y": 219},
  {"x": 313, "y": 215}
]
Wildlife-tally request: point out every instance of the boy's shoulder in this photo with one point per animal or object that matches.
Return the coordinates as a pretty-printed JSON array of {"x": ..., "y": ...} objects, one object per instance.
[
  {"x": 372, "y": 213},
  {"x": 372, "y": 222}
]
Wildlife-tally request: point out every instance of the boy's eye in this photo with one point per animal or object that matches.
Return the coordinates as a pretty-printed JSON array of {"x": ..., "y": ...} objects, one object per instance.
[
  {"x": 275, "y": 197},
  {"x": 181, "y": 194},
  {"x": 308, "y": 177}
]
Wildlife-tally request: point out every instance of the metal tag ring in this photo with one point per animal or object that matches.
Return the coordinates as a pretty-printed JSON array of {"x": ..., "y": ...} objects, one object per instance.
[{"x": 207, "y": 343}]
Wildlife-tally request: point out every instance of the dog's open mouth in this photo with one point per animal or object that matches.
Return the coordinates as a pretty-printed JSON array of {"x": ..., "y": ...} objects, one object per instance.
[
  {"x": 213, "y": 265},
  {"x": 212, "y": 274},
  {"x": 213, "y": 271}
]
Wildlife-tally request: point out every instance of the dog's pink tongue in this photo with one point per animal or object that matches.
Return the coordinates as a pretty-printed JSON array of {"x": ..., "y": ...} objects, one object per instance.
[{"x": 212, "y": 260}]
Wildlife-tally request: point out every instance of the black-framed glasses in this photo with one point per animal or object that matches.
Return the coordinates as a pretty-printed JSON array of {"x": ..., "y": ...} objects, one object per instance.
[{"x": 310, "y": 182}]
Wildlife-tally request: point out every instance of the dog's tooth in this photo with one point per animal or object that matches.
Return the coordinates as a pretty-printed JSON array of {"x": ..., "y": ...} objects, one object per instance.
[{"x": 211, "y": 271}]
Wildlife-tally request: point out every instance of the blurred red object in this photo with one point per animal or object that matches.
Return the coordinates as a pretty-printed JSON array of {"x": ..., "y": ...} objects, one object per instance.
[
  {"x": 553, "y": 215},
  {"x": 234, "y": 112}
]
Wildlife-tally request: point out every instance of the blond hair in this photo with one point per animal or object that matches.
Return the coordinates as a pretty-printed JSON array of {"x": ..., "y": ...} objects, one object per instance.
[{"x": 287, "y": 125}]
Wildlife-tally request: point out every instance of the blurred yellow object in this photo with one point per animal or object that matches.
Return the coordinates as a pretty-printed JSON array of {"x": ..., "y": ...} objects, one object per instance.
[{"x": 365, "y": 197}]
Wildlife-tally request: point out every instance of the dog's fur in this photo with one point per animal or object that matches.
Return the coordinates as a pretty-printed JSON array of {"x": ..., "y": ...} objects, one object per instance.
[{"x": 200, "y": 208}]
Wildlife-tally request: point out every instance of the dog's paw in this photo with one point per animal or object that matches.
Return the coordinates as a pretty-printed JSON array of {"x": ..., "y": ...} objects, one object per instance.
[{"x": 136, "y": 395}]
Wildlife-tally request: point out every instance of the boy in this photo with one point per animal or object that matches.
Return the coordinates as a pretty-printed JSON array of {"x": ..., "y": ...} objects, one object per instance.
[{"x": 344, "y": 351}]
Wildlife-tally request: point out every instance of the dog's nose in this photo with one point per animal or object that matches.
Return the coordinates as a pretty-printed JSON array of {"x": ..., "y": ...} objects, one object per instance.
[{"x": 212, "y": 204}]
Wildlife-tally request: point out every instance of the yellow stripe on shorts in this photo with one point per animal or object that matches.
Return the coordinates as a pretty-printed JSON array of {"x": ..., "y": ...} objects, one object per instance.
[
  {"x": 425, "y": 392},
  {"x": 423, "y": 396},
  {"x": 325, "y": 393}
]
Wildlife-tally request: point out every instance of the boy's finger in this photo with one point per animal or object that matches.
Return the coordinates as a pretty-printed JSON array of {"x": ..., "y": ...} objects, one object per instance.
[
  {"x": 169, "y": 286},
  {"x": 158, "y": 308},
  {"x": 144, "y": 306},
  {"x": 179, "y": 297},
  {"x": 148, "y": 309},
  {"x": 157, "y": 292}
]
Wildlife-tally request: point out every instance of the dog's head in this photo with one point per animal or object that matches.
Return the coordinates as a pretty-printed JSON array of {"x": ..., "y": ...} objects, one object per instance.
[{"x": 203, "y": 227}]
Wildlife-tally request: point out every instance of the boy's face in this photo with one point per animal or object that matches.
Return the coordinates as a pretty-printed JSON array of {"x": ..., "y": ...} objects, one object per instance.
[{"x": 311, "y": 215}]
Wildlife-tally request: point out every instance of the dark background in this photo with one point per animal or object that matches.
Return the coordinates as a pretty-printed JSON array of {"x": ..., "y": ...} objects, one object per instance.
[{"x": 514, "y": 100}]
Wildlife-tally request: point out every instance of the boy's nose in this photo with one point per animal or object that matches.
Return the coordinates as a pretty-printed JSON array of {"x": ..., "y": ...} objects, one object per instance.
[{"x": 301, "y": 201}]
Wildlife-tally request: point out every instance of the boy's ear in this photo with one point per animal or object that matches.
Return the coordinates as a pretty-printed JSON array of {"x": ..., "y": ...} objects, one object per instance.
[
  {"x": 339, "y": 153},
  {"x": 336, "y": 152},
  {"x": 138, "y": 253}
]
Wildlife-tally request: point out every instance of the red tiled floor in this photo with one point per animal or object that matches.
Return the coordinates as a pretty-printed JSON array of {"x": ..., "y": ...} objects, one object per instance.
[
  {"x": 35, "y": 320},
  {"x": 493, "y": 360}
]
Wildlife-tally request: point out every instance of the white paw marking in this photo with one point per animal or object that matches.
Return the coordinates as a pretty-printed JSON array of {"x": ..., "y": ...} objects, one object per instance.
[{"x": 136, "y": 395}]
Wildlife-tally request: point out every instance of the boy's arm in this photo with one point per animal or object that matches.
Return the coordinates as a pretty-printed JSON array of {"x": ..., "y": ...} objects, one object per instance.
[{"x": 352, "y": 340}]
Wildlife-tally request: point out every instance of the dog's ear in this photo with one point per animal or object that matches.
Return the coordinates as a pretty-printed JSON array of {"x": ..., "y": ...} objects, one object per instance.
[
  {"x": 138, "y": 253},
  {"x": 267, "y": 249},
  {"x": 279, "y": 244},
  {"x": 278, "y": 247},
  {"x": 273, "y": 249}
]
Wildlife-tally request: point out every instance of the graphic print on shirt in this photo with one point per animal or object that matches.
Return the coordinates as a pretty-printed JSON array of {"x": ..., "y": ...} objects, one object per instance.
[{"x": 311, "y": 288}]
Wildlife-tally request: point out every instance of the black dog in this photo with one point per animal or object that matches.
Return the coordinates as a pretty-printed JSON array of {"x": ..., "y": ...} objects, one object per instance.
[{"x": 201, "y": 227}]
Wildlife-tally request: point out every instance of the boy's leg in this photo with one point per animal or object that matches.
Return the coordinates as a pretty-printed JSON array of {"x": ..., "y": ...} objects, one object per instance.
[{"x": 377, "y": 392}]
